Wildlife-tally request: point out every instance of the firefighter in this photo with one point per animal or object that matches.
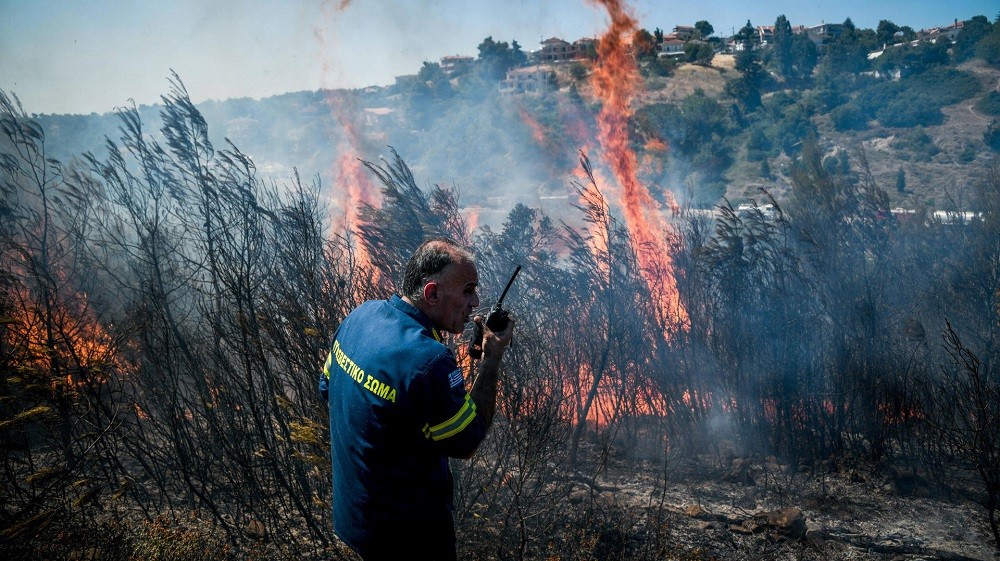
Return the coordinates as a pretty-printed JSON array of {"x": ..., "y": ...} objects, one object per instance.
[{"x": 399, "y": 408}]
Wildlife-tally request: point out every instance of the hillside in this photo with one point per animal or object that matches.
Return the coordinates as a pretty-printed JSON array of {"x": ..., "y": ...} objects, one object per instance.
[
  {"x": 936, "y": 182},
  {"x": 693, "y": 136}
]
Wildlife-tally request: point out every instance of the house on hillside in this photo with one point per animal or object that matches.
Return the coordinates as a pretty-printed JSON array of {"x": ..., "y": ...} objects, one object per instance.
[
  {"x": 584, "y": 45},
  {"x": 455, "y": 63},
  {"x": 765, "y": 33},
  {"x": 376, "y": 121},
  {"x": 671, "y": 47},
  {"x": 949, "y": 31},
  {"x": 526, "y": 80},
  {"x": 684, "y": 32},
  {"x": 824, "y": 32},
  {"x": 404, "y": 81},
  {"x": 555, "y": 49}
]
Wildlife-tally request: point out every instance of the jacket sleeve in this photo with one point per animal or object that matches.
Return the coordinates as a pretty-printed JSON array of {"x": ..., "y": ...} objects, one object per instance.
[{"x": 453, "y": 426}]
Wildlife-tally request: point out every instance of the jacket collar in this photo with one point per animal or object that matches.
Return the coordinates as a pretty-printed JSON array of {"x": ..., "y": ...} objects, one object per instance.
[{"x": 397, "y": 302}]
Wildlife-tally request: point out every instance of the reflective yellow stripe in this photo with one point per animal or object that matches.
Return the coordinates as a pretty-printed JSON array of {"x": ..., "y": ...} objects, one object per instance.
[
  {"x": 326, "y": 365},
  {"x": 436, "y": 335},
  {"x": 455, "y": 424}
]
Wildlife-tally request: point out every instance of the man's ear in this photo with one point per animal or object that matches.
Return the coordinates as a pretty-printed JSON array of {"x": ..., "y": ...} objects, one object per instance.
[{"x": 431, "y": 292}]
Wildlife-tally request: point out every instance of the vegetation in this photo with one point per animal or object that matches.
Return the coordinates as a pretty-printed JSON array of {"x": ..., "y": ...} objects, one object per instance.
[
  {"x": 992, "y": 135},
  {"x": 989, "y": 103},
  {"x": 164, "y": 309},
  {"x": 917, "y": 100}
]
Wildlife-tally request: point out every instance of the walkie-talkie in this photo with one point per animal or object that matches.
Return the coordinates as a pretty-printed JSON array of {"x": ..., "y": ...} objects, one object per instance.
[{"x": 497, "y": 320}]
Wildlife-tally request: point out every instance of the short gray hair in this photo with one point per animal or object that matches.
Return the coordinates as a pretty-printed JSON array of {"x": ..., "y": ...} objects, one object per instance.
[{"x": 432, "y": 257}]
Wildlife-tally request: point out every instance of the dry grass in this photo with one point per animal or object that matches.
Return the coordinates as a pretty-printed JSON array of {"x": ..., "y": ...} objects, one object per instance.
[{"x": 686, "y": 79}]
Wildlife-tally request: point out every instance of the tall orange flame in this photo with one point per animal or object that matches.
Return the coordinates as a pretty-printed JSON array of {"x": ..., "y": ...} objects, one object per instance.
[
  {"x": 616, "y": 81},
  {"x": 354, "y": 182},
  {"x": 352, "y": 185}
]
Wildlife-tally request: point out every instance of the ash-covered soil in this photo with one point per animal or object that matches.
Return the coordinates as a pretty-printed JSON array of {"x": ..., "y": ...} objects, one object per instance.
[{"x": 756, "y": 510}]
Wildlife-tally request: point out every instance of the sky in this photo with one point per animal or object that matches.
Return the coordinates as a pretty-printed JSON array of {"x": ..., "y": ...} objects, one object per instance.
[{"x": 83, "y": 56}]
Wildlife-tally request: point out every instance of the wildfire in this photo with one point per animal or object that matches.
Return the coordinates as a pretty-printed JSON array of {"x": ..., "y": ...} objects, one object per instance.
[
  {"x": 652, "y": 159},
  {"x": 537, "y": 132},
  {"x": 354, "y": 181},
  {"x": 616, "y": 81},
  {"x": 65, "y": 333},
  {"x": 610, "y": 403},
  {"x": 472, "y": 217},
  {"x": 352, "y": 186}
]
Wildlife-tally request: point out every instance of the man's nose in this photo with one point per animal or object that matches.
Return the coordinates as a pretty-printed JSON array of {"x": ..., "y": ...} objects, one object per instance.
[{"x": 475, "y": 299}]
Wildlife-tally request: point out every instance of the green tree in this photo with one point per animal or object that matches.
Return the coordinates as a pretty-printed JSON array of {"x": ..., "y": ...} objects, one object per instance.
[
  {"x": 848, "y": 117},
  {"x": 643, "y": 44},
  {"x": 664, "y": 65},
  {"x": 900, "y": 180},
  {"x": 989, "y": 103},
  {"x": 848, "y": 54},
  {"x": 782, "y": 46},
  {"x": 747, "y": 87},
  {"x": 430, "y": 88},
  {"x": 992, "y": 135},
  {"x": 658, "y": 35},
  {"x": 432, "y": 82},
  {"x": 988, "y": 47},
  {"x": 704, "y": 28},
  {"x": 793, "y": 56},
  {"x": 699, "y": 52},
  {"x": 497, "y": 57},
  {"x": 913, "y": 59},
  {"x": 794, "y": 125},
  {"x": 972, "y": 31},
  {"x": 885, "y": 33},
  {"x": 689, "y": 126},
  {"x": 747, "y": 36},
  {"x": 917, "y": 99}
]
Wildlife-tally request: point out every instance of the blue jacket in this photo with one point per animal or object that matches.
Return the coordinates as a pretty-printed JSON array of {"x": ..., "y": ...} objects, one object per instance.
[{"x": 398, "y": 410}]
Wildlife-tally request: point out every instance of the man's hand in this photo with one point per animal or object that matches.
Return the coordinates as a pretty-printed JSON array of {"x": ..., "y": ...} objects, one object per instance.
[
  {"x": 494, "y": 344},
  {"x": 484, "y": 390}
]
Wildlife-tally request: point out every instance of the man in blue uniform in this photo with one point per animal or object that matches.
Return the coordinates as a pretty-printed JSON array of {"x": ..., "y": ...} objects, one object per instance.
[{"x": 399, "y": 408}]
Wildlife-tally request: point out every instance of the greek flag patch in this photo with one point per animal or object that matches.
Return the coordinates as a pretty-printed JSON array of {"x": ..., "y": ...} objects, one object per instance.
[{"x": 455, "y": 379}]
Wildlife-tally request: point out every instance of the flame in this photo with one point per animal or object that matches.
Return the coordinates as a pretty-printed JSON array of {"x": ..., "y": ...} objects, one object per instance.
[
  {"x": 610, "y": 403},
  {"x": 472, "y": 217},
  {"x": 656, "y": 146},
  {"x": 352, "y": 185},
  {"x": 652, "y": 159},
  {"x": 537, "y": 132},
  {"x": 68, "y": 334},
  {"x": 616, "y": 81},
  {"x": 353, "y": 182},
  {"x": 900, "y": 413}
]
